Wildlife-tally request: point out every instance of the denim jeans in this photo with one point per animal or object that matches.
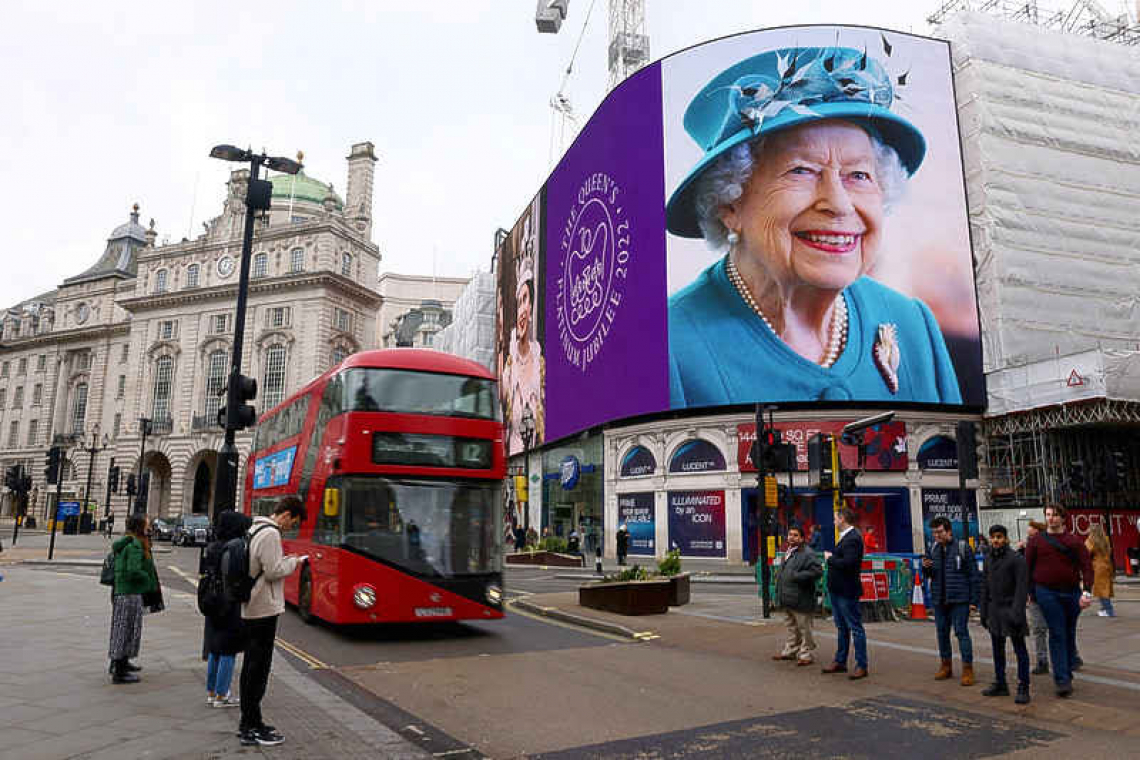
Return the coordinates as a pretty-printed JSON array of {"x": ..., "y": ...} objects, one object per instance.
[
  {"x": 219, "y": 673},
  {"x": 1106, "y": 606},
  {"x": 1019, "y": 649},
  {"x": 1061, "y": 610},
  {"x": 849, "y": 625},
  {"x": 958, "y": 616}
]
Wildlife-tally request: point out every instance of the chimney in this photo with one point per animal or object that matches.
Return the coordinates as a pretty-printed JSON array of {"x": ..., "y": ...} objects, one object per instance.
[{"x": 358, "y": 197}]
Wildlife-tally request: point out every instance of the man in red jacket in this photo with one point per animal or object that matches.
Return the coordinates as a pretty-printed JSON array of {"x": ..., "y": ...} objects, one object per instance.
[{"x": 1058, "y": 563}]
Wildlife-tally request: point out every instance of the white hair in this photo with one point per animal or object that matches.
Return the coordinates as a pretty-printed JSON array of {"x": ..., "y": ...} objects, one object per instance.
[{"x": 724, "y": 181}]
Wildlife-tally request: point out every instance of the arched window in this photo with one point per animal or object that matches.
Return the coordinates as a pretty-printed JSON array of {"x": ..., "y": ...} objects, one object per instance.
[
  {"x": 192, "y": 276},
  {"x": 160, "y": 281},
  {"x": 273, "y": 379},
  {"x": 78, "y": 408},
  {"x": 696, "y": 455},
  {"x": 163, "y": 382},
  {"x": 260, "y": 265},
  {"x": 297, "y": 260},
  {"x": 346, "y": 264},
  {"x": 638, "y": 461},
  {"x": 215, "y": 383}
]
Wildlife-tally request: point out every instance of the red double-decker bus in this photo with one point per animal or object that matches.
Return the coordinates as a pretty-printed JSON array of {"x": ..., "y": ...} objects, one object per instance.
[{"x": 398, "y": 457}]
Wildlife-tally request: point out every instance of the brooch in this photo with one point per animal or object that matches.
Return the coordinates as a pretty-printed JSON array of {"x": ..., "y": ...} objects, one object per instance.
[{"x": 887, "y": 355}]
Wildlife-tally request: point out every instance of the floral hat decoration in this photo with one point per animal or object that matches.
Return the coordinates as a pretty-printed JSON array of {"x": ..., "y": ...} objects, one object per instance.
[{"x": 785, "y": 88}]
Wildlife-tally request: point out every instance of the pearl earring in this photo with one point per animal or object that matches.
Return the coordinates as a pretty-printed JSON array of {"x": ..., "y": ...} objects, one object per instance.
[{"x": 733, "y": 237}]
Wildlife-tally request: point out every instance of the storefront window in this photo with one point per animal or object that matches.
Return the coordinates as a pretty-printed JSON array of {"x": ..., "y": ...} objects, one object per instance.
[{"x": 572, "y": 486}]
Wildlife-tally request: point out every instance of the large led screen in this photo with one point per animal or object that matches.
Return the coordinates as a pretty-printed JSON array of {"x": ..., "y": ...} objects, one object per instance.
[{"x": 777, "y": 216}]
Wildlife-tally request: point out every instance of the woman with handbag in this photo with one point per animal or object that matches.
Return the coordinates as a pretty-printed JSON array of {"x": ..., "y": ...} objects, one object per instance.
[{"x": 135, "y": 576}]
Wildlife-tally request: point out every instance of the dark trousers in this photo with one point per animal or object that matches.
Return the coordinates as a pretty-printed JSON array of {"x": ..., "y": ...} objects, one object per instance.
[
  {"x": 260, "y": 635},
  {"x": 1019, "y": 650},
  {"x": 621, "y": 558},
  {"x": 956, "y": 616},
  {"x": 1061, "y": 610},
  {"x": 849, "y": 626}
]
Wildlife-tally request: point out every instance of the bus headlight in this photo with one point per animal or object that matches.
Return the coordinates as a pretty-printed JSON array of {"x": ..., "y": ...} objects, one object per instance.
[
  {"x": 494, "y": 595},
  {"x": 364, "y": 596}
]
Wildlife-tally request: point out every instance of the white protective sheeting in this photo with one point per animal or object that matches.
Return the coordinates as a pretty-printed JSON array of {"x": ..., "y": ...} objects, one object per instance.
[
  {"x": 471, "y": 333},
  {"x": 1050, "y": 127}
]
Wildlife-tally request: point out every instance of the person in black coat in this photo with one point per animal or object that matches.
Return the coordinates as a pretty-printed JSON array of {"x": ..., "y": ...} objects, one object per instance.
[
  {"x": 622, "y": 544},
  {"x": 224, "y": 636},
  {"x": 845, "y": 588},
  {"x": 1005, "y": 589}
]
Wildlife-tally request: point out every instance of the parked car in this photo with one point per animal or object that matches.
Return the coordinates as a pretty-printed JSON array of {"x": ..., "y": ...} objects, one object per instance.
[
  {"x": 160, "y": 529},
  {"x": 192, "y": 530}
]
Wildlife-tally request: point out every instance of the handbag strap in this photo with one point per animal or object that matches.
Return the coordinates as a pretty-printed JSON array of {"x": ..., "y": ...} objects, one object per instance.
[{"x": 1065, "y": 550}]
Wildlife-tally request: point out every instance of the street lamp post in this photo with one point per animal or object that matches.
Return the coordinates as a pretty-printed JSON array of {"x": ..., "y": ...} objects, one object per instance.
[
  {"x": 141, "y": 495},
  {"x": 239, "y": 388},
  {"x": 91, "y": 450}
]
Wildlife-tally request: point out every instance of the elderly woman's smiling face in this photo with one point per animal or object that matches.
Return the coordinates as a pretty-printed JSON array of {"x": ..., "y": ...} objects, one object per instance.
[{"x": 812, "y": 212}]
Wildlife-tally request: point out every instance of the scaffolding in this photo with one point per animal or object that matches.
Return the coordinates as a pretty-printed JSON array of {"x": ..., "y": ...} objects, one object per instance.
[
  {"x": 1085, "y": 17},
  {"x": 629, "y": 41}
]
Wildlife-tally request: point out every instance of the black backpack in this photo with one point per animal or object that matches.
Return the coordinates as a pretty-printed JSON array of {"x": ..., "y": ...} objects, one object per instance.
[
  {"x": 237, "y": 583},
  {"x": 212, "y": 601}
]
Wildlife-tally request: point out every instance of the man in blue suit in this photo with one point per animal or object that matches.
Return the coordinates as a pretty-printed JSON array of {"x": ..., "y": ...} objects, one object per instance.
[{"x": 845, "y": 588}]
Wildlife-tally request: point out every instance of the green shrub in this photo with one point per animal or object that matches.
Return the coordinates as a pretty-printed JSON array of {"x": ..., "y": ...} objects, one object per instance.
[
  {"x": 631, "y": 573},
  {"x": 671, "y": 565},
  {"x": 552, "y": 544}
]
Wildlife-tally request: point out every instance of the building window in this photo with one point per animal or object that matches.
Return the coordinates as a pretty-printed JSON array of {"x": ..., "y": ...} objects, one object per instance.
[
  {"x": 4, "y": 369},
  {"x": 18, "y": 397},
  {"x": 297, "y": 260},
  {"x": 215, "y": 383},
  {"x": 278, "y": 316},
  {"x": 37, "y": 394},
  {"x": 160, "y": 281},
  {"x": 118, "y": 424},
  {"x": 428, "y": 338},
  {"x": 14, "y": 434},
  {"x": 273, "y": 380},
  {"x": 260, "y": 265},
  {"x": 83, "y": 361},
  {"x": 3, "y": 397},
  {"x": 343, "y": 320},
  {"x": 41, "y": 362},
  {"x": 121, "y": 391},
  {"x": 33, "y": 432},
  {"x": 166, "y": 329},
  {"x": 78, "y": 408},
  {"x": 125, "y": 355},
  {"x": 192, "y": 276},
  {"x": 22, "y": 367},
  {"x": 338, "y": 355},
  {"x": 218, "y": 324},
  {"x": 346, "y": 264},
  {"x": 163, "y": 380}
]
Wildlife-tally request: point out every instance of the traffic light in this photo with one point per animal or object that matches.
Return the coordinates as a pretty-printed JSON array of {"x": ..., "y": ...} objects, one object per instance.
[
  {"x": 11, "y": 476},
  {"x": 52, "y": 465},
  {"x": 131, "y": 488},
  {"x": 259, "y": 196},
  {"x": 820, "y": 455},
  {"x": 766, "y": 438},
  {"x": 1077, "y": 475},
  {"x": 244, "y": 415},
  {"x": 967, "y": 450},
  {"x": 1114, "y": 471},
  {"x": 113, "y": 479}
]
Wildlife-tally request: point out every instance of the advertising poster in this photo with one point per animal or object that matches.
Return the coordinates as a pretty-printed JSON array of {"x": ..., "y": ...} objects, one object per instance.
[
  {"x": 696, "y": 456},
  {"x": 636, "y": 512},
  {"x": 1121, "y": 528},
  {"x": 938, "y": 453},
  {"x": 696, "y": 523},
  {"x": 946, "y": 502},
  {"x": 886, "y": 444},
  {"x": 519, "y": 351},
  {"x": 638, "y": 461},
  {"x": 274, "y": 469},
  {"x": 605, "y": 272}
]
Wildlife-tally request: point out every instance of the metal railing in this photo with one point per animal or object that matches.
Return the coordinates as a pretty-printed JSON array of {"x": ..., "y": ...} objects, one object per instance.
[
  {"x": 205, "y": 422},
  {"x": 161, "y": 426}
]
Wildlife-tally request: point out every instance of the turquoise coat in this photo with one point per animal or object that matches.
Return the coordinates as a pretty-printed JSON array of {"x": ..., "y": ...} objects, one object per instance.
[
  {"x": 134, "y": 571},
  {"x": 721, "y": 352}
]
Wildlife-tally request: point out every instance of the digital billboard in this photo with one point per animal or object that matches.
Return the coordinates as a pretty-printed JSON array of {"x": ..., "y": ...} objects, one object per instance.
[{"x": 777, "y": 216}]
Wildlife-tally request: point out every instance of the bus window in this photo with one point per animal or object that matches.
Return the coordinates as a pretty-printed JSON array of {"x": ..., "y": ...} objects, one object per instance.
[{"x": 409, "y": 392}]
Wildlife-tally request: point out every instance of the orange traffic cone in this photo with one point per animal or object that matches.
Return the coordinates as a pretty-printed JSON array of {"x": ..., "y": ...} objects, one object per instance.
[{"x": 917, "y": 607}]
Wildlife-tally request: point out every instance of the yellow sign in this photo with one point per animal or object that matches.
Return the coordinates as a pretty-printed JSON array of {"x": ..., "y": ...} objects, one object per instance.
[
  {"x": 520, "y": 488},
  {"x": 771, "y": 546},
  {"x": 332, "y": 502},
  {"x": 771, "y": 492}
]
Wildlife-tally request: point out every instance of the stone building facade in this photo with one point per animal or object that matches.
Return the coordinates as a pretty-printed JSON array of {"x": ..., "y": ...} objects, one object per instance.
[{"x": 147, "y": 333}]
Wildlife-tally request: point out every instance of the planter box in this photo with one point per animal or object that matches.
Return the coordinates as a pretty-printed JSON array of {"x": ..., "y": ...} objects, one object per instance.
[
  {"x": 552, "y": 559},
  {"x": 627, "y": 598},
  {"x": 678, "y": 589}
]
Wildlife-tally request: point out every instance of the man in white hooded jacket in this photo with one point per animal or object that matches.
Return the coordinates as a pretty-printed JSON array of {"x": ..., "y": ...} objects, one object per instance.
[{"x": 270, "y": 566}]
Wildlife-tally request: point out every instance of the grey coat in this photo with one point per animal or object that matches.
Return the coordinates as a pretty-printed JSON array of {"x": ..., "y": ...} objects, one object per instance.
[{"x": 796, "y": 580}]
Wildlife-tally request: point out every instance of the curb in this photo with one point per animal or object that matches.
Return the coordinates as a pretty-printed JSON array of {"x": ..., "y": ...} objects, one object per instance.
[
  {"x": 725, "y": 579},
  {"x": 579, "y": 620},
  {"x": 62, "y": 562}
]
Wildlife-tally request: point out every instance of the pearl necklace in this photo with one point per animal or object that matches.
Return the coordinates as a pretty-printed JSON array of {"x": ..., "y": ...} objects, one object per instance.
[{"x": 838, "y": 337}]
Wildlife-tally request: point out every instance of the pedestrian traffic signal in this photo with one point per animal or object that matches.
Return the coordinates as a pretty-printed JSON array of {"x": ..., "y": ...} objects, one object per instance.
[
  {"x": 113, "y": 479},
  {"x": 821, "y": 472},
  {"x": 967, "y": 450},
  {"x": 11, "y": 476},
  {"x": 52, "y": 465},
  {"x": 1077, "y": 475},
  {"x": 243, "y": 415}
]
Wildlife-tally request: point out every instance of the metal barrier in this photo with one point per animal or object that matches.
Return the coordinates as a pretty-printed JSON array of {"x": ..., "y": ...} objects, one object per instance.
[{"x": 888, "y": 585}]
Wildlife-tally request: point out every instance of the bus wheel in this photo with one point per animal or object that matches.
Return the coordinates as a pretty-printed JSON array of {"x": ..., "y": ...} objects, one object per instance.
[{"x": 305, "y": 597}]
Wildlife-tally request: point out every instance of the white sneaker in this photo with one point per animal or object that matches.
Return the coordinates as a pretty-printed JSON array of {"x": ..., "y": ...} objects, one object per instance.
[
  {"x": 227, "y": 701},
  {"x": 1102, "y": 613},
  {"x": 209, "y": 701}
]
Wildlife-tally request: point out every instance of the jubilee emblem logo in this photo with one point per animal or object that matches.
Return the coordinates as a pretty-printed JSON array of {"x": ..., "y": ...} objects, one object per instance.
[{"x": 595, "y": 255}]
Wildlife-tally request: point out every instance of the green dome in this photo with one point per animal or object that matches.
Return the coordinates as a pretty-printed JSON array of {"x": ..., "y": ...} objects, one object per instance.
[{"x": 301, "y": 187}]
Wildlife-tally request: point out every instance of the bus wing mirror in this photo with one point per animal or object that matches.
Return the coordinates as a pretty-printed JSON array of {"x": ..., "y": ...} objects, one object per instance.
[{"x": 332, "y": 502}]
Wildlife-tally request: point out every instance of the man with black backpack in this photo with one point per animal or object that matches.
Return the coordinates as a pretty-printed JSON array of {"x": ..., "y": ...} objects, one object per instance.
[{"x": 268, "y": 568}]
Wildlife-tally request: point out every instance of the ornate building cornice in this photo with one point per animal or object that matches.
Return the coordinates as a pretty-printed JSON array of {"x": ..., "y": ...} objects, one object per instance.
[
  {"x": 77, "y": 335},
  {"x": 187, "y": 296}
]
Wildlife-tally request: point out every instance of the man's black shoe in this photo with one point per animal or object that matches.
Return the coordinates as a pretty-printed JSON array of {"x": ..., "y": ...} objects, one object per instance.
[
  {"x": 267, "y": 737},
  {"x": 248, "y": 738},
  {"x": 1078, "y": 663},
  {"x": 1065, "y": 689},
  {"x": 1040, "y": 669},
  {"x": 1022, "y": 697},
  {"x": 996, "y": 690},
  {"x": 130, "y": 667}
]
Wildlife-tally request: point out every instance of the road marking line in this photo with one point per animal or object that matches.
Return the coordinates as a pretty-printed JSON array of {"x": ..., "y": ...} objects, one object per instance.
[
  {"x": 551, "y": 621},
  {"x": 183, "y": 575},
  {"x": 415, "y": 730},
  {"x": 302, "y": 655},
  {"x": 451, "y": 752}
]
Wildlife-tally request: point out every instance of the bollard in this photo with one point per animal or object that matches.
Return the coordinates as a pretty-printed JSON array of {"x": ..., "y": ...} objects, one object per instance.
[{"x": 598, "y": 561}]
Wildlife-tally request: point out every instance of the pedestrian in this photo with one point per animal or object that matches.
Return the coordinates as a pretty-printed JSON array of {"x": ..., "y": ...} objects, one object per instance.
[
  {"x": 224, "y": 635},
  {"x": 269, "y": 566},
  {"x": 1037, "y": 627},
  {"x": 1058, "y": 563},
  {"x": 520, "y": 538},
  {"x": 622, "y": 543},
  {"x": 871, "y": 541},
  {"x": 1100, "y": 549},
  {"x": 1005, "y": 588},
  {"x": 816, "y": 542},
  {"x": 954, "y": 588},
  {"x": 135, "y": 575},
  {"x": 845, "y": 588},
  {"x": 573, "y": 543},
  {"x": 795, "y": 592},
  {"x": 110, "y": 524}
]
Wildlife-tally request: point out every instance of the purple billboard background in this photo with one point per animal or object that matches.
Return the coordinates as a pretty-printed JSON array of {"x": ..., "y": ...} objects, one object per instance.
[
  {"x": 696, "y": 523},
  {"x": 606, "y": 337}
]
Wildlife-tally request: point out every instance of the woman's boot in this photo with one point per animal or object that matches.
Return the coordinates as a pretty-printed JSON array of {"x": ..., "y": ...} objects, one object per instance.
[{"x": 120, "y": 674}]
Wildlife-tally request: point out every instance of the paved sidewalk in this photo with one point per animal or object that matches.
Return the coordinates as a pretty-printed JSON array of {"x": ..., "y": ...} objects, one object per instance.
[{"x": 58, "y": 702}]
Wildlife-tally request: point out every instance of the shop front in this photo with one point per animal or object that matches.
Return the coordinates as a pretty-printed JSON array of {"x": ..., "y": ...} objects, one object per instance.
[{"x": 572, "y": 491}]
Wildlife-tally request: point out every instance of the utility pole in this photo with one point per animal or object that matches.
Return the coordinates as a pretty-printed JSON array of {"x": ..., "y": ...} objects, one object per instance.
[{"x": 141, "y": 496}]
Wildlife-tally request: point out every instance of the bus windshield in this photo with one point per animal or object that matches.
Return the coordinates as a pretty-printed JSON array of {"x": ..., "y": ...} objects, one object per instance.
[
  {"x": 425, "y": 527},
  {"x": 410, "y": 392}
]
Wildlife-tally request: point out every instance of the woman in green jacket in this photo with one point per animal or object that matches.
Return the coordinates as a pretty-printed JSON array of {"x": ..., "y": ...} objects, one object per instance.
[{"x": 134, "y": 576}]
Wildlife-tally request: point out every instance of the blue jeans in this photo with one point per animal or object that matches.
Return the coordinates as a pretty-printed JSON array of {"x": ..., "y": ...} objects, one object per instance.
[
  {"x": 849, "y": 625},
  {"x": 958, "y": 616},
  {"x": 219, "y": 673},
  {"x": 1061, "y": 610},
  {"x": 1106, "y": 606}
]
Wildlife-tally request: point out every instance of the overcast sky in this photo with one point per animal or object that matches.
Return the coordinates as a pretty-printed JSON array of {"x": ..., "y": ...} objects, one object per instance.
[{"x": 115, "y": 103}]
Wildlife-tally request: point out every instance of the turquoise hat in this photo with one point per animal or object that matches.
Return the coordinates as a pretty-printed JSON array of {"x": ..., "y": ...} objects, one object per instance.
[{"x": 785, "y": 88}]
